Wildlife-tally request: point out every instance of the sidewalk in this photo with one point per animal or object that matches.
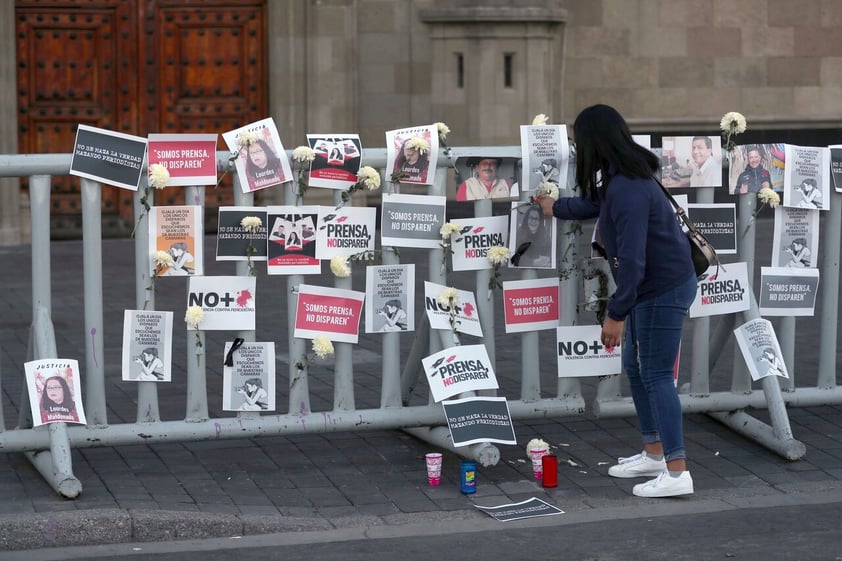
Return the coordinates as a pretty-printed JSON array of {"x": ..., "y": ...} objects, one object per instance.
[{"x": 333, "y": 480}]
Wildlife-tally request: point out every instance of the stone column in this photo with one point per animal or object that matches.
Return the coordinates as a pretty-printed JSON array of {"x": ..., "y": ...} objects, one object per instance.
[
  {"x": 10, "y": 197},
  {"x": 495, "y": 66}
]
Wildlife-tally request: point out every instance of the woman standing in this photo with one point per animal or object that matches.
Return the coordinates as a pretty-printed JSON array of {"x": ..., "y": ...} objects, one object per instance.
[{"x": 650, "y": 260}]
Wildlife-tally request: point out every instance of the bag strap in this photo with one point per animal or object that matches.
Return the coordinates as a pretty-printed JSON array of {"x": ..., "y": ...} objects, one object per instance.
[{"x": 678, "y": 209}]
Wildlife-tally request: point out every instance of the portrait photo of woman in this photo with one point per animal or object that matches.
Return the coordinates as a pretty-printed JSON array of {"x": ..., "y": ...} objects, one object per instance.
[
  {"x": 533, "y": 240},
  {"x": 57, "y": 401}
]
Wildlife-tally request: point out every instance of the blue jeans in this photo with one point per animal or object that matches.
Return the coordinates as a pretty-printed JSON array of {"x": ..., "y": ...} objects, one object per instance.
[{"x": 650, "y": 347}]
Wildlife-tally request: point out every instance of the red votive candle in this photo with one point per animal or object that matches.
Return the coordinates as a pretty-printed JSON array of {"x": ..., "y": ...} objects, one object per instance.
[{"x": 550, "y": 465}]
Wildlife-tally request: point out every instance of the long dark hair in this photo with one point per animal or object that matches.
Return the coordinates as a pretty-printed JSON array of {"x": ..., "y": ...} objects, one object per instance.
[
  {"x": 67, "y": 401},
  {"x": 604, "y": 146}
]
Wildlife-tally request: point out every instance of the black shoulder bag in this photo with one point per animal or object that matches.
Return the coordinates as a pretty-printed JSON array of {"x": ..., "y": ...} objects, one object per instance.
[{"x": 701, "y": 250}]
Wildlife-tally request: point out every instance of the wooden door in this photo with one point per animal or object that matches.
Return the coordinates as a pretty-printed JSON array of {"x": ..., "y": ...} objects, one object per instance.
[{"x": 136, "y": 66}]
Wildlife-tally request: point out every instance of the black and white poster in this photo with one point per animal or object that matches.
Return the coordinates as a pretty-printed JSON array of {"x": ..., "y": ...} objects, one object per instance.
[
  {"x": 529, "y": 508},
  {"x": 233, "y": 241},
  {"x": 479, "y": 419},
  {"x": 107, "y": 156}
]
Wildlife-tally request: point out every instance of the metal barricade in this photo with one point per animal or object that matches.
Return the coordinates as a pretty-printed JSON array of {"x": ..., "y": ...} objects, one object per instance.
[{"x": 49, "y": 450}]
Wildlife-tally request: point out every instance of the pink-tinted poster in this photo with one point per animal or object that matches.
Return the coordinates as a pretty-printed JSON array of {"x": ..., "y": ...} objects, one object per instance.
[
  {"x": 530, "y": 305},
  {"x": 189, "y": 158},
  {"x": 330, "y": 312}
]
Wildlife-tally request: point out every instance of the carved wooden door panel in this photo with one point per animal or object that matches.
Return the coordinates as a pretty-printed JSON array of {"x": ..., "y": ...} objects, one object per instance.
[{"x": 135, "y": 66}]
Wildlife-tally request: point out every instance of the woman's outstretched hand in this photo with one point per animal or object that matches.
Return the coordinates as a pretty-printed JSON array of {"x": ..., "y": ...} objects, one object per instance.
[{"x": 546, "y": 204}]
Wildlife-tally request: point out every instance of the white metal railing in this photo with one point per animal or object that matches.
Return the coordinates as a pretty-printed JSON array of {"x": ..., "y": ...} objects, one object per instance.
[{"x": 49, "y": 449}]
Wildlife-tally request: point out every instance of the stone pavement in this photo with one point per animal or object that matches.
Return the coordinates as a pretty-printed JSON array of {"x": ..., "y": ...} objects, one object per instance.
[{"x": 336, "y": 480}]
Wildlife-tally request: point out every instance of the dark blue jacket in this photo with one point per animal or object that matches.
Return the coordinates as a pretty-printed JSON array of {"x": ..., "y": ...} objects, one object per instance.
[{"x": 647, "y": 252}]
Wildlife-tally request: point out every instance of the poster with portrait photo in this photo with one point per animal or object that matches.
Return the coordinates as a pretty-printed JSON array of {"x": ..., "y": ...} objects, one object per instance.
[
  {"x": 345, "y": 231},
  {"x": 545, "y": 154},
  {"x": 248, "y": 379},
  {"x": 107, "y": 156},
  {"x": 233, "y": 242},
  {"x": 691, "y": 161},
  {"x": 55, "y": 391},
  {"x": 389, "y": 298},
  {"x": 177, "y": 231},
  {"x": 795, "y": 241},
  {"x": 147, "y": 346},
  {"x": 836, "y": 166},
  {"x": 471, "y": 244},
  {"x": 337, "y": 160},
  {"x": 806, "y": 178},
  {"x": 407, "y": 159},
  {"x": 190, "y": 159},
  {"x": 486, "y": 177},
  {"x": 532, "y": 238},
  {"x": 754, "y": 166},
  {"x": 291, "y": 247},
  {"x": 760, "y": 349},
  {"x": 262, "y": 163}
]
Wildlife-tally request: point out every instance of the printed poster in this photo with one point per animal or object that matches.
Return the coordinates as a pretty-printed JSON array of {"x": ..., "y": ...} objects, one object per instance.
[
  {"x": 530, "y": 508},
  {"x": 806, "y": 180},
  {"x": 486, "y": 177},
  {"x": 472, "y": 420},
  {"x": 248, "y": 383},
  {"x": 459, "y": 369},
  {"x": 718, "y": 222},
  {"x": 760, "y": 349},
  {"x": 337, "y": 160},
  {"x": 263, "y": 163},
  {"x": 755, "y": 166},
  {"x": 463, "y": 315},
  {"x": 330, "y": 312},
  {"x": 545, "y": 154},
  {"x": 532, "y": 238},
  {"x": 346, "y": 231},
  {"x": 390, "y": 298},
  {"x": 147, "y": 346},
  {"x": 691, "y": 161},
  {"x": 292, "y": 240},
  {"x": 412, "y": 165},
  {"x": 228, "y": 302},
  {"x": 531, "y": 305},
  {"x": 581, "y": 353},
  {"x": 412, "y": 220},
  {"x": 233, "y": 241},
  {"x": 788, "y": 292},
  {"x": 189, "y": 158},
  {"x": 470, "y": 246},
  {"x": 723, "y": 289},
  {"x": 795, "y": 241},
  {"x": 55, "y": 391},
  {"x": 836, "y": 166},
  {"x": 178, "y": 231},
  {"x": 109, "y": 157}
]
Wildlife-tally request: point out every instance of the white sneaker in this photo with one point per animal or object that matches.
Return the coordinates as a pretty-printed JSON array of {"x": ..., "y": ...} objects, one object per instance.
[
  {"x": 639, "y": 465},
  {"x": 665, "y": 485}
]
